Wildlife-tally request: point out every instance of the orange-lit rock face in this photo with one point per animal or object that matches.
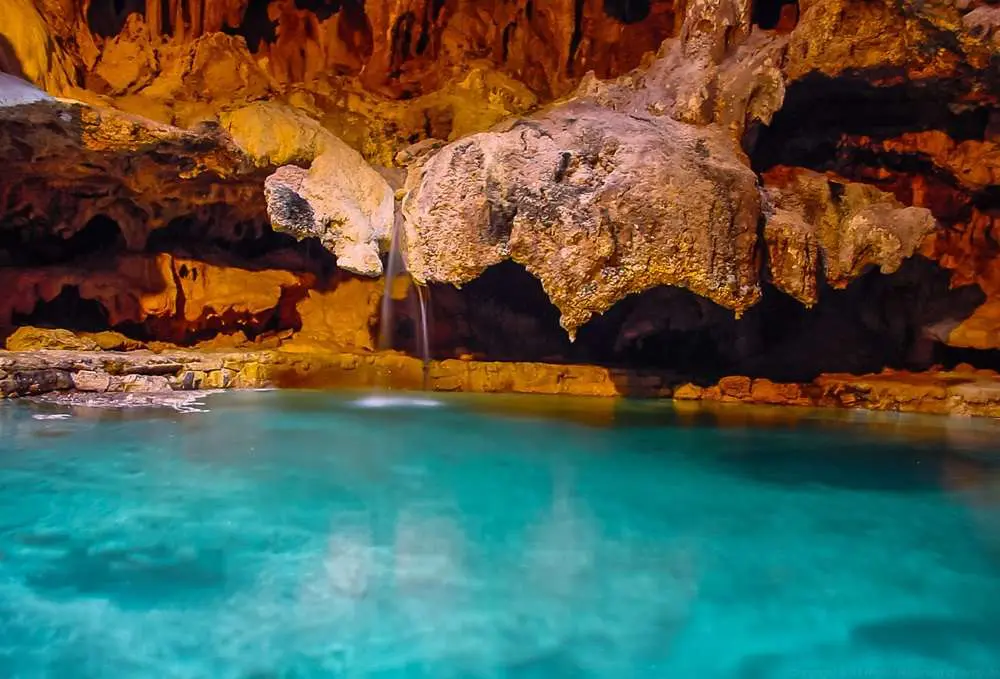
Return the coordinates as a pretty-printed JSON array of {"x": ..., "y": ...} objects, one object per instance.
[
  {"x": 176, "y": 298},
  {"x": 231, "y": 161},
  {"x": 845, "y": 226},
  {"x": 398, "y": 47},
  {"x": 184, "y": 300}
]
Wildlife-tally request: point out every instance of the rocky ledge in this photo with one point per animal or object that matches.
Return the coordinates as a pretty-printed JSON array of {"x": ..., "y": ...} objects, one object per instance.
[{"x": 964, "y": 391}]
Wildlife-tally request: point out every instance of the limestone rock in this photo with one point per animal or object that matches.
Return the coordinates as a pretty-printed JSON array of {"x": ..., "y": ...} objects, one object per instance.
[
  {"x": 716, "y": 72},
  {"x": 851, "y": 226},
  {"x": 923, "y": 40},
  {"x": 111, "y": 340},
  {"x": 140, "y": 383},
  {"x": 28, "y": 338},
  {"x": 91, "y": 380},
  {"x": 340, "y": 316},
  {"x": 28, "y": 50},
  {"x": 66, "y": 163},
  {"x": 596, "y": 204},
  {"x": 128, "y": 62},
  {"x": 273, "y": 134},
  {"x": 341, "y": 201}
]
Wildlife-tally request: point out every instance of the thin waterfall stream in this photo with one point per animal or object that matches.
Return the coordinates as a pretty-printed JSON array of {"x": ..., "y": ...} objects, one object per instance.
[{"x": 395, "y": 268}]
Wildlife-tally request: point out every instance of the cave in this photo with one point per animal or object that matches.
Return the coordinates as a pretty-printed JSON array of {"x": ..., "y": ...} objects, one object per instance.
[
  {"x": 106, "y": 18},
  {"x": 252, "y": 245},
  {"x": 66, "y": 310},
  {"x": 189, "y": 180},
  {"x": 879, "y": 321},
  {"x": 775, "y": 14},
  {"x": 628, "y": 11},
  {"x": 256, "y": 26},
  {"x": 818, "y": 111},
  {"x": 659, "y": 244},
  {"x": 99, "y": 237}
]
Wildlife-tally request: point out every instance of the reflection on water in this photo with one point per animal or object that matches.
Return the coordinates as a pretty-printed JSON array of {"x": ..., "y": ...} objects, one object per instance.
[{"x": 298, "y": 535}]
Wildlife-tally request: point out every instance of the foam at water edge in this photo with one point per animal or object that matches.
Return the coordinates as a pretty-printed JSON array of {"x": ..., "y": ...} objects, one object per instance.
[
  {"x": 395, "y": 402},
  {"x": 182, "y": 402}
]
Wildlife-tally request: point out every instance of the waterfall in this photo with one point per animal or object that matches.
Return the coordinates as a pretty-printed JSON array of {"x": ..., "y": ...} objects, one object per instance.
[{"x": 395, "y": 268}]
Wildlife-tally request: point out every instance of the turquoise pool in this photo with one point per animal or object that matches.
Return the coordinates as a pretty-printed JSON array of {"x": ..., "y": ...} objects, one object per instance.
[{"x": 301, "y": 535}]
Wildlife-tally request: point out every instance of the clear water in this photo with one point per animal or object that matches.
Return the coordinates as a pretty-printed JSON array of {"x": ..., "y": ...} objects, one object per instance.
[{"x": 305, "y": 535}]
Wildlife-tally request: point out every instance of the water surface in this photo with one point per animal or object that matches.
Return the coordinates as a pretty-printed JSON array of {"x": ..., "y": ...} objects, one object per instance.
[{"x": 302, "y": 535}]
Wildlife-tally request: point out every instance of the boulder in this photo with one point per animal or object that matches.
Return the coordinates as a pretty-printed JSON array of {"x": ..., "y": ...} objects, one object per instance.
[{"x": 28, "y": 338}]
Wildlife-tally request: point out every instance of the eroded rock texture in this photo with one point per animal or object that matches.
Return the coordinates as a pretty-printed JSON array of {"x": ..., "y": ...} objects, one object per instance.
[
  {"x": 775, "y": 189},
  {"x": 594, "y": 203}
]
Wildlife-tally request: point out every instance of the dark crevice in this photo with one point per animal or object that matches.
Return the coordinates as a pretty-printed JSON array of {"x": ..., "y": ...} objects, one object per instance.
[
  {"x": 323, "y": 9},
  {"x": 106, "y": 18},
  {"x": 101, "y": 236},
  {"x": 256, "y": 26},
  {"x": 401, "y": 42},
  {"x": 950, "y": 358},
  {"x": 628, "y": 11},
  {"x": 879, "y": 321},
  {"x": 818, "y": 111},
  {"x": 508, "y": 33},
  {"x": 431, "y": 16},
  {"x": 577, "y": 36},
  {"x": 247, "y": 245},
  {"x": 9, "y": 62},
  {"x": 66, "y": 310},
  {"x": 355, "y": 29},
  {"x": 768, "y": 14}
]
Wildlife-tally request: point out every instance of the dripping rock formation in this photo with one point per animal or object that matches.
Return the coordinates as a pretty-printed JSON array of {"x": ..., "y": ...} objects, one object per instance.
[{"x": 772, "y": 201}]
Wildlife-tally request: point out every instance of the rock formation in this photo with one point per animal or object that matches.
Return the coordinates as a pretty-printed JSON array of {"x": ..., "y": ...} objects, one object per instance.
[{"x": 765, "y": 188}]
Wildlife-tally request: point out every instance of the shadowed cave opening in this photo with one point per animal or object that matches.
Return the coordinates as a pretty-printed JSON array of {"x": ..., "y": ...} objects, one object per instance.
[
  {"x": 628, "y": 11},
  {"x": 106, "y": 18},
  {"x": 775, "y": 14},
  {"x": 879, "y": 321},
  {"x": 70, "y": 311},
  {"x": 255, "y": 27},
  {"x": 246, "y": 244},
  {"x": 95, "y": 250},
  {"x": 66, "y": 310},
  {"x": 101, "y": 236},
  {"x": 818, "y": 111}
]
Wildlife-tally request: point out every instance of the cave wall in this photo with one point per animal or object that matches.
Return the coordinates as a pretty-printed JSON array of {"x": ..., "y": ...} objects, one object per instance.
[{"x": 777, "y": 189}]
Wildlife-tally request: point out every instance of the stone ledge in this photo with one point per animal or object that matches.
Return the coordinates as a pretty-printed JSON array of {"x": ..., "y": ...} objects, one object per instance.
[{"x": 966, "y": 392}]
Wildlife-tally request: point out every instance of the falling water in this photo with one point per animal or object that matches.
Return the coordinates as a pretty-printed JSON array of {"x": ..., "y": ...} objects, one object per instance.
[{"x": 394, "y": 268}]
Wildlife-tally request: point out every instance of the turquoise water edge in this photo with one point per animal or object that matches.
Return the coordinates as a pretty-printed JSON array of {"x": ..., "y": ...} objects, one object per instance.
[{"x": 298, "y": 535}]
